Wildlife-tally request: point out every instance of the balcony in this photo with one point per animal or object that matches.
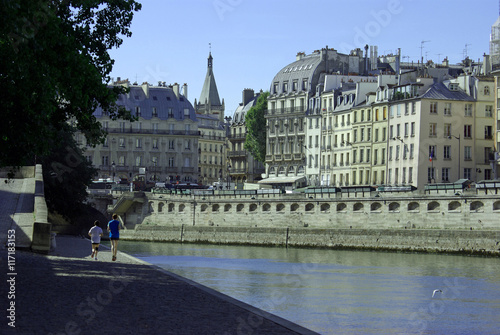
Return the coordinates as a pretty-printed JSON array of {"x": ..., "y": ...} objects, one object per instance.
[
  {"x": 237, "y": 153},
  {"x": 187, "y": 169},
  {"x": 287, "y": 157}
]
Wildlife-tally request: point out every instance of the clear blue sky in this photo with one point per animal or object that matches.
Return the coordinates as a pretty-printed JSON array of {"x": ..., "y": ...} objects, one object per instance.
[{"x": 251, "y": 40}]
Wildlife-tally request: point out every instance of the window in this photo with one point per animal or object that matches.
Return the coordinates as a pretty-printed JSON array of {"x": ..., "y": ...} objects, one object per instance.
[
  {"x": 430, "y": 174},
  {"x": 155, "y": 143},
  {"x": 447, "y": 129},
  {"x": 432, "y": 152},
  {"x": 468, "y": 173},
  {"x": 468, "y": 109},
  {"x": 433, "y": 107},
  {"x": 170, "y": 113},
  {"x": 445, "y": 173},
  {"x": 413, "y": 129},
  {"x": 407, "y": 129},
  {"x": 488, "y": 111},
  {"x": 410, "y": 175},
  {"x": 138, "y": 142},
  {"x": 122, "y": 142},
  {"x": 171, "y": 162},
  {"x": 171, "y": 144},
  {"x": 186, "y": 113},
  {"x": 137, "y": 111},
  {"x": 467, "y": 131},
  {"x": 155, "y": 112},
  {"x": 412, "y": 148},
  {"x": 467, "y": 153},
  {"x": 432, "y": 129},
  {"x": 447, "y": 108},
  {"x": 486, "y": 90},
  {"x": 488, "y": 134},
  {"x": 446, "y": 152}
]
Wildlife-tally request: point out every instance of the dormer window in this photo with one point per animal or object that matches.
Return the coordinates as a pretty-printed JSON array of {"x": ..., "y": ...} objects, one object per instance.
[
  {"x": 453, "y": 87},
  {"x": 339, "y": 100}
]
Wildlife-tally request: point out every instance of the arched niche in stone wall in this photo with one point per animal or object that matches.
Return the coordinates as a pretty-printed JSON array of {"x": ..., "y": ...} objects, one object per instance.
[
  {"x": 433, "y": 206},
  {"x": 496, "y": 206},
  {"x": 325, "y": 208},
  {"x": 280, "y": 207},
  {"x": 227, "y": 207},
  {"x": 294, "y": 207},
  {"x": 454, "y": 206},
  {"x": 252, "y": 207},
  {"x": 413, "y": 206},
  {"x": 171, "y": 207},
  {"x": 266, "y": 207},
  {"x": 341, "y": 207},
  {"x": 394, "y": 207},
  {"x": 160, "y": 207},
  {"x": 358, "y": 207},
  {"x": 215, "y": 207},
  {"x": 240, "y": 208},
  {"x": 181, "y": 208},
  {"x": 376, "y": 207},
  {"x": 150, "y": 207},
  {"x": 309, "y": 207},
  {"x": 477, "y": 206},
  {"x": 204, "y": 207}
]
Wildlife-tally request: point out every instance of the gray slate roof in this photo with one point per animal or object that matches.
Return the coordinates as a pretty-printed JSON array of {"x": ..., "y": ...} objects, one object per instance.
[
  {"x": 163, "y": 98},
  {"x": 241, "y": 111},
  {"x": 209, "y": 91},
  {"x": 439, "y": 91}
]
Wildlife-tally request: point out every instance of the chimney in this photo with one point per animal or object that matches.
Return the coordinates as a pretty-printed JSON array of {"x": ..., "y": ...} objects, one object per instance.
[
  {"x": 175, "y": 88},
  {"x": 185, "y": 91},
  {"x": 248, "y": 95}
]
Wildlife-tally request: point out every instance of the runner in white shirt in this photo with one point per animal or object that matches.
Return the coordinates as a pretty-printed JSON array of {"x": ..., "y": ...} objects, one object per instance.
[{"x": 95, "y": 234}]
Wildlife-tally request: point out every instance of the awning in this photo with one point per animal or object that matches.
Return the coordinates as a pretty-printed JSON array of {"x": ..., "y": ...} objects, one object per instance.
[{"x": 282, "y": 180}]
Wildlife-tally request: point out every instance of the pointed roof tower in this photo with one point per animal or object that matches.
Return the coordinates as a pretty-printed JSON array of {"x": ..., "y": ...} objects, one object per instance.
[{"x": 209, "y": 102}]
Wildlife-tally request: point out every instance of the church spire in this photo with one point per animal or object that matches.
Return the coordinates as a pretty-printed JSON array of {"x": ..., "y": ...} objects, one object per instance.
[{"x": 209, "y": 102}]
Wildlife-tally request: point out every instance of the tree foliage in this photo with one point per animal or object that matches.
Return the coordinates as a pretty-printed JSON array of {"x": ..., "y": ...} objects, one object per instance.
[
  {"x": 54, "y": 68},
  {"x": 255, "y": 123},
  {"x": 66, "y": 173}
]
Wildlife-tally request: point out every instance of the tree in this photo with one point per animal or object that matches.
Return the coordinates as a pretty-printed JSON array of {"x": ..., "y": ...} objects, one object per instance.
[
  {"x": 66, "y": 173},
  {"x": 255, "y": 123},
  {"x": 54, "y": 69}
]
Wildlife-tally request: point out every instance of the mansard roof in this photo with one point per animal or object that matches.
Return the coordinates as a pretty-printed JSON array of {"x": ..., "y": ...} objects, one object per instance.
[
  {"x": 439, "y": 91},
  {"x": 209, "y": 93},
  {"x": 160, "y": 97},
  {"x": 303, "y": 68},
  {"x": 241, "y": 112}
]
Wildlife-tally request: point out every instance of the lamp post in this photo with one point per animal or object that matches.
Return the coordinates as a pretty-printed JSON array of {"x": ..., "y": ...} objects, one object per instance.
[
  {"x": 459, "y": 149},
  {"x": 228, "y": 175}
]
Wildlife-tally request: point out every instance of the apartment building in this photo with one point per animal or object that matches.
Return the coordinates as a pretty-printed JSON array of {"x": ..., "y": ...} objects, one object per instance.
[
  {"x": 294, "y": 113},
  {"x": 160, "y": 146},
  {"x": 211, "y": 149},
  {"x": 241, "y": 164}
]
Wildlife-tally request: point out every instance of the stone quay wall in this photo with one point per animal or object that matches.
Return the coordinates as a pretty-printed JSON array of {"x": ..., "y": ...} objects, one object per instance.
[
  {"x": 474, "y": 242},
  {"x": 430, "y": 223}
]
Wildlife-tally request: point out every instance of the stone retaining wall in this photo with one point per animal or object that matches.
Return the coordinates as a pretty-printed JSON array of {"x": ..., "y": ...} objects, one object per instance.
[{"x": 418, "y": 240}]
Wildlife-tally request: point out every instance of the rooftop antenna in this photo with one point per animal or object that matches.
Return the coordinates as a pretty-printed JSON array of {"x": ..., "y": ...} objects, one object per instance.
[
  {"x": 465, "y": 50},
  {"x": 210, "y": 46},
  {"x": 421, "y": 52},
  {"x": 439, "y": 58}
]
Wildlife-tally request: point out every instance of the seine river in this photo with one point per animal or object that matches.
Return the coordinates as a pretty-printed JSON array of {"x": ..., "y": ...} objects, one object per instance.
[{"x": 345, "y": 292}]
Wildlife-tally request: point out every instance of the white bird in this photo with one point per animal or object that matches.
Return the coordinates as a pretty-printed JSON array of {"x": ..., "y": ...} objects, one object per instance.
[{"x": 436, "y": 291}]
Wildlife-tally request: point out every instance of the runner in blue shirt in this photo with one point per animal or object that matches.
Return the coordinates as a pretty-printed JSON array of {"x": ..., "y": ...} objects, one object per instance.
[{"x": 114, "y": 234}]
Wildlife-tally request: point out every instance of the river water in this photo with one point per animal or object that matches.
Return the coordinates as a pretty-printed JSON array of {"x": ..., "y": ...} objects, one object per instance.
[{"x": 345, "y": 292}]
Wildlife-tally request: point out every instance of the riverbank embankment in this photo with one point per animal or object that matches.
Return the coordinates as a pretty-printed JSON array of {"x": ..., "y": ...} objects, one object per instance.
[{"x": 470, "y": 242}]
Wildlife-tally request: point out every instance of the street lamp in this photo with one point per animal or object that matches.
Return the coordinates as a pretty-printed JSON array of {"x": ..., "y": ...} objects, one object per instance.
[
  {"x": 228, "y": 175},
  {"x": 458, "y": 138}
]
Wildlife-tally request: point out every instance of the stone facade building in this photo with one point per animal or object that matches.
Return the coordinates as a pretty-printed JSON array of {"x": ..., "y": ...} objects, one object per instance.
[
  {"x": 243, "y": 167},
  {"x": 161, "y": 146}
]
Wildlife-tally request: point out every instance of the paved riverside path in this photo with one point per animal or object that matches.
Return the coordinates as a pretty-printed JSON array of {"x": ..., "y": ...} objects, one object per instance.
[{"x": 67, "y": 292}]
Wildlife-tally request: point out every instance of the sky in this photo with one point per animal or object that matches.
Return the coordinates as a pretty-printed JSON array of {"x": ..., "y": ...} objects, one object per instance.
[{"x": 252, "y": 40}]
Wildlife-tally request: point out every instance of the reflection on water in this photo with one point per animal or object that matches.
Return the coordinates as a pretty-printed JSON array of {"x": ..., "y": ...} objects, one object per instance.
[{"x": 345, "y": 292}]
